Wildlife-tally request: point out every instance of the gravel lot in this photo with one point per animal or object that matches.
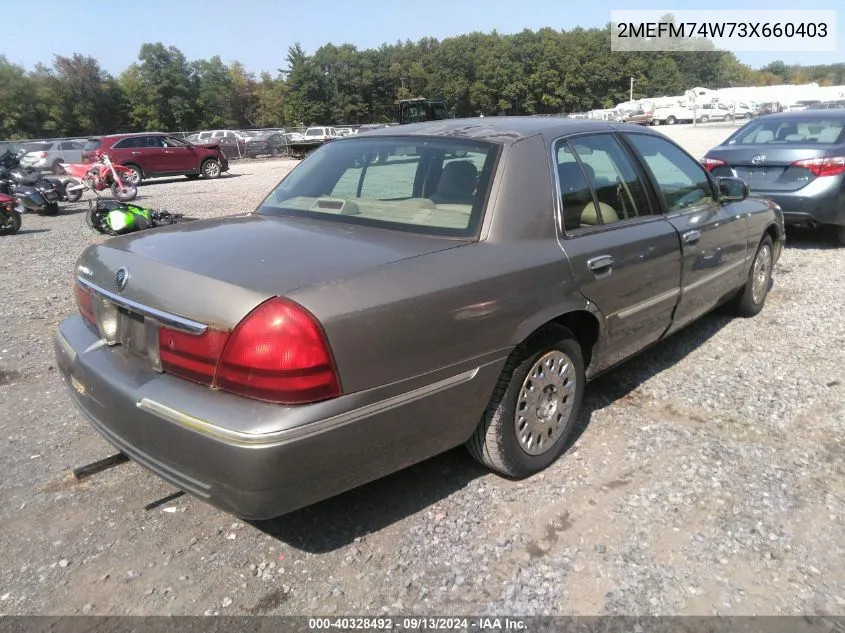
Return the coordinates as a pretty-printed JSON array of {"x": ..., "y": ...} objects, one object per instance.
[{"x": 708, "y": 475}]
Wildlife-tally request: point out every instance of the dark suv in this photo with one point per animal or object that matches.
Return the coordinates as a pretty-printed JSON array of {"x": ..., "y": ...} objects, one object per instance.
[{"x": 150, "y": 155}]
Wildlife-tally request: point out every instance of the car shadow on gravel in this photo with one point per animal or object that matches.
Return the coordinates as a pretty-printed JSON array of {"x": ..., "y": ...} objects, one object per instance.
[
  {"x": 811, "y": 239},
  {"x": 182, "y": 180},
  {"x": 338, "y": 521}
]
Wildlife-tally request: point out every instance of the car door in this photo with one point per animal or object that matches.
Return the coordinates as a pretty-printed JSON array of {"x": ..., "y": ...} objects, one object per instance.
[
  {"x": 179, "y": 156},
  {"x": 713, "y": 235},
  {"x": 138, "y": 150},
  {"x": 625, "y": 256},
  {"x": 72, "y": 151}
]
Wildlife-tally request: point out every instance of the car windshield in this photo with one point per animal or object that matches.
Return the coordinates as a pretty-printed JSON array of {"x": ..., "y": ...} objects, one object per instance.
[
  {"x": 434, "y": 186},
  {"x": 792, "y": 131}
]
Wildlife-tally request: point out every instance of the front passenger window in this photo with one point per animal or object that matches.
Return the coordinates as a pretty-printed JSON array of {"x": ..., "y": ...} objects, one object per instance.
[{"x": 680, "y": 178}]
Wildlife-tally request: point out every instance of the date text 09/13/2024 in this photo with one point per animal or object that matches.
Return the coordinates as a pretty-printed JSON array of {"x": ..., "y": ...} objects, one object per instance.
[{"x": 417, "y": 624}]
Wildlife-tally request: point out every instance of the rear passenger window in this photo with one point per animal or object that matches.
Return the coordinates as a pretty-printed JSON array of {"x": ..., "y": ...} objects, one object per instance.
[{"x": 598, "y": 165}]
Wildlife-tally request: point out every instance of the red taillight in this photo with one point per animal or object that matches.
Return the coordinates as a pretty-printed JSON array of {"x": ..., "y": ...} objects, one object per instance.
[
  {"x": 829, "y": 166},
  {"x": 191, "y": 356},
  {"x": 711, "y": 163},
  {"x": 84, "y": 300},
  {"x": 280, "y": 354}
]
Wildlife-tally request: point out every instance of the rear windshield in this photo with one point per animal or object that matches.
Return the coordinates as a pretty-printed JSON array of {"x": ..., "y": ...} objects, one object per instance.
[
  {"x": 91, "y": 145},
  {"x": 792, "y": 131},
  {"x": 434, "y": 186},
  {"x": 37, "y": 147},
  {"x": 315, "y": 131}
]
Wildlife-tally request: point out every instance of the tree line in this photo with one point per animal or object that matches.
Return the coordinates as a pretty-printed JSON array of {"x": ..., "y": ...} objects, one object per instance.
[{"x": 532, "y": 72}]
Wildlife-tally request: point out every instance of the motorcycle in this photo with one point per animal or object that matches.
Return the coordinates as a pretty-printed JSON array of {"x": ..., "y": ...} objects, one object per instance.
[
  {"x": 115, "y": 218},
  {"x": 98, "y": 177},
  {"x": 10, "y": 217},
  {"x": 36, "y": 193}
]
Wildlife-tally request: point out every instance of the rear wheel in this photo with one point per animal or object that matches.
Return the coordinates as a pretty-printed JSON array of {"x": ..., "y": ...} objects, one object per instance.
[
  {"x": 670, "y": 120},
  {"x": 704, "y": 119},
  {"x": 840, "y": 235},
  {"x": 13, "y": 224},
  {"x": 211, "y": 168},
  {"x": 534, "y": 408},
  {"x": 753, "y": 295}
]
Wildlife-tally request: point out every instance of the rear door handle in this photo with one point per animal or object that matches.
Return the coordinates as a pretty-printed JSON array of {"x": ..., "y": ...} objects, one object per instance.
[
  {"x": 692, "y": 237},
  {"x": 135, "y": 153},
  {"x": 602, "y": 263},
  {"x": 168, "y": 151}
]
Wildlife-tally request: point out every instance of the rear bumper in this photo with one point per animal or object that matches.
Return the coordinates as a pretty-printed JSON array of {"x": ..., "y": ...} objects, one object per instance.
[
  {"x": 258, "y": 460},
  {"x": 820, "y": 202}
]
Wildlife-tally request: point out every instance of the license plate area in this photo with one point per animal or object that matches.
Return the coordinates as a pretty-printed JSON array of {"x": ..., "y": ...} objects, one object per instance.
[{"x": 136, "y": 333}]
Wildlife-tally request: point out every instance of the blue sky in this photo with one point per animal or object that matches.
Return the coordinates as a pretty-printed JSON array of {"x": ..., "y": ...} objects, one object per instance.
[{"x": 259, "y": 32}]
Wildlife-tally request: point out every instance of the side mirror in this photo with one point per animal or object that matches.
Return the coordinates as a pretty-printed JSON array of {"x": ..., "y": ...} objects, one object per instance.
[{"x": 732, "y": 189}]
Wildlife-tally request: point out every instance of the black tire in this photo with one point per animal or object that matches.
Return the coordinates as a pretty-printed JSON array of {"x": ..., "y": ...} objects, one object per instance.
[
  {"x": 274, "y": 151},
  {"x": 57, "y": 168},
  {"x": 211, "y": 168},
  {"x": 670, "y": 120},
  {"x": 752, "y": 297},
  {"x": 192, "y": 176},
  {"x": 128, "y": 192},
  {"x": 495, "y": 442},
  {"x": 15, "y": 218},
  {"x": 136, "y": 176},
  {"x": 73, "y": 196},
  {"x": 704, "y": 119}
]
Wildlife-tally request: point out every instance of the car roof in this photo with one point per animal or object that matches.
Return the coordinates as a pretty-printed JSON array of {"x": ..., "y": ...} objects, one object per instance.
[
  {"x": 126, "y": 135},
  {"x": 832, "y": 113},
  {"x": 503, "y": 129}
]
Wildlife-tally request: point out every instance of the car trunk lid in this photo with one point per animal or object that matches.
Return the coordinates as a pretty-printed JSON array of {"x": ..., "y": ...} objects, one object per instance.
[
  {"x": 768, "y": 168},
  {"x": 214, "y": 272}
]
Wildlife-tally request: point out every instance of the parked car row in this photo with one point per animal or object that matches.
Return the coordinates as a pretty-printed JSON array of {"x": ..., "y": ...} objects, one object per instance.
[{"x": 703, "y": 113}]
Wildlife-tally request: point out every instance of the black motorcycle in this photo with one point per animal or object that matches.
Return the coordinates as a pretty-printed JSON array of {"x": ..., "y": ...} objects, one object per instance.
[{"x": 35, "y": 192}]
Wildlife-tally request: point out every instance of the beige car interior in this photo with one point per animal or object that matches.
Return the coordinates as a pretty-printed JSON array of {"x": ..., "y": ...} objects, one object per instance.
[{"x": 579, "y": 209}]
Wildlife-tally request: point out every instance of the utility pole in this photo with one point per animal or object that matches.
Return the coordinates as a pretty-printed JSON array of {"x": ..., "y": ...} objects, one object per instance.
[{"x": 631, "y": 94}]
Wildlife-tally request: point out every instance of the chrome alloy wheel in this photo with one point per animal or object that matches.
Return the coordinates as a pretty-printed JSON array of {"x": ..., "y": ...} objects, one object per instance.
[
  {"x": 760, "y": 274},
  {"x": 545, "y": 402}
]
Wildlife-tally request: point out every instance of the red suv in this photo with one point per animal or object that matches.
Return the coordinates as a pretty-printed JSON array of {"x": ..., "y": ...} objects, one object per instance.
[{"x": 149, "y": 155}]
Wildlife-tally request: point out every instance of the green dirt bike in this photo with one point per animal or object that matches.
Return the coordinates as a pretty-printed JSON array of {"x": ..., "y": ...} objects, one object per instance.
[{"x": 115, "y": 218}]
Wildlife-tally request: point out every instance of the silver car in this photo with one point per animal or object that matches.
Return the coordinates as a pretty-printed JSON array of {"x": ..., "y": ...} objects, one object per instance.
[{"x": 49, "y": 155}]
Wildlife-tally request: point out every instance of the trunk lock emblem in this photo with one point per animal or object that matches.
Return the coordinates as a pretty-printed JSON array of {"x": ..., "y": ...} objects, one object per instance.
[
  {"x": 760, "y": 158},
  {"x": 121, "y": 278}
]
